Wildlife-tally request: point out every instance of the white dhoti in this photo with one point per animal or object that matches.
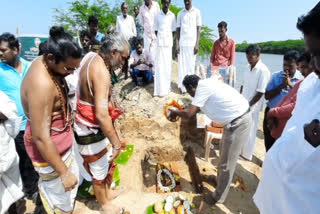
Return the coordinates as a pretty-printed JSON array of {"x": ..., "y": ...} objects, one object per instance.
[
  {"x": 149, "y": 44},
  {"x": 163, "y": 70},
  {"x": 186, "y": 64},
  {"x": 248, "y": 148},
  {"x": 98, "y": 169},
  {"x": 51, "y": 189}
]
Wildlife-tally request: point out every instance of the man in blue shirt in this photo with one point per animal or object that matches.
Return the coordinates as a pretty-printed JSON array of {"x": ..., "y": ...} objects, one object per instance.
[
  {"x": 93, "y": 24},
  {"x": 12, "y": 71},
  {"x": 278, "y": 87}
]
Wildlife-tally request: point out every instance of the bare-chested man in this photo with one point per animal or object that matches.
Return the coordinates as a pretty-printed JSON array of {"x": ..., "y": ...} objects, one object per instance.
[
  {"x": 97, "y": 139},
  {"x": 48, "y": 135}
]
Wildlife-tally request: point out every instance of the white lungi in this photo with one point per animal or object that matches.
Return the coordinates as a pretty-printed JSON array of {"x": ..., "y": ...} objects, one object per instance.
[
  {"x": 149, "y": 45},
  {"x": 186, "y": 64},
  {"x": 163, "y": 70}
]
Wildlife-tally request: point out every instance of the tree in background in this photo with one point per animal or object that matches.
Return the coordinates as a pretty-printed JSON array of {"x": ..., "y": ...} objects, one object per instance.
[{"x": 76, "y": 16}]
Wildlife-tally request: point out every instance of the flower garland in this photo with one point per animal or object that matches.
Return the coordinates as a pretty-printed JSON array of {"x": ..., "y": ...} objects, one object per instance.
[{"x": 173, "y": 182}]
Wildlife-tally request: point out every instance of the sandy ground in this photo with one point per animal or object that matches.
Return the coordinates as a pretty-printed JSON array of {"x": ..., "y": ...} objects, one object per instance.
[{"x": 158, "y": 140}]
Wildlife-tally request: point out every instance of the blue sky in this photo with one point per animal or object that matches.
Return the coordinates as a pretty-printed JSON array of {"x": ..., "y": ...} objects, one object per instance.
[{"x": 250, "y": 20}]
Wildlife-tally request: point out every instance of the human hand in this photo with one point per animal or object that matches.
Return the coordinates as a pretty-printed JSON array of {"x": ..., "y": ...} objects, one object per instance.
[
  {"x": 272, "y": 122},
  {"x": 312, "y": 133},
  {"x": 69, "y": 181},
  {"x": 173, "y": 114},
  {"x": 115, "y": 153},
  {"x": 178, "y": 49},
  {"x": 285, "y": 80},
  {"x": 150, "y": 65}
]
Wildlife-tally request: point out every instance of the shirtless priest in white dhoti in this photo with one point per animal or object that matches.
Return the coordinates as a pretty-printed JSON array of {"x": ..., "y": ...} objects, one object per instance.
[
  {"x": 188, "y": 37},
  {"x": 291, "y": 172},
  {"x": 165, "y": 25},
  {"x": 10, "y": 179}
]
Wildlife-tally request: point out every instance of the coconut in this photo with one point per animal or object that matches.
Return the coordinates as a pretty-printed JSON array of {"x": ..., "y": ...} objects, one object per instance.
[
  {"x": 158, "y": 207},
  {"x": 177, "y": 203},
  {"x": 169, "y": 199},
  {"x": 168, "y": 207},
  {"x": 186, "y": 205}
]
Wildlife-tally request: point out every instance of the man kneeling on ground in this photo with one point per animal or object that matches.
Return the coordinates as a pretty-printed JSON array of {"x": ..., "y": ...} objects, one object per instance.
[
  {"x": 224, "y": 105},
  {"x": 140, "y": 64}
]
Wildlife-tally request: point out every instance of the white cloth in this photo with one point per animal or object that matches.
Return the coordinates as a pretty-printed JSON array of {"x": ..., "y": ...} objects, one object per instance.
[
  {"x": 165, "y": 24},
  {"x": 219, "y": 101},
  {"x": 290, "y": 172},
  {"x": 52, "y": 192},
  {"x": 188, "y": 21},
  {"x": 144, "y": 56},
  {"x": 126, "y": 26},
  {"x": 99, "y": 169},
  {"x": 147, "y": 21},
  {"x": 186, "y": 64},
  {"x": 10, "y": 179},
  {"x": 163, "y": 70},
  {"x": 255, "y": 80}
]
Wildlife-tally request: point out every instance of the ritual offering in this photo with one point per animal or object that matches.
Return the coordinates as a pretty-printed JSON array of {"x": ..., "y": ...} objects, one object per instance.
[
  {"x": 172, "y": 205},
  {"x": 173, "y": 105},
  {"x": 168, "y": 179}
]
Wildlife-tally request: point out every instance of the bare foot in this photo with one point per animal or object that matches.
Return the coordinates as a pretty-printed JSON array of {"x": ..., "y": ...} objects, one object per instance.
[
  {"x": 111, "y": 209},
  {"x": 114, "y": 193}
]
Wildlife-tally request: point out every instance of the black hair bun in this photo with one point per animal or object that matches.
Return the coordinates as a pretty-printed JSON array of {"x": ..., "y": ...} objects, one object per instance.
[{"x": 57, "y": 32}]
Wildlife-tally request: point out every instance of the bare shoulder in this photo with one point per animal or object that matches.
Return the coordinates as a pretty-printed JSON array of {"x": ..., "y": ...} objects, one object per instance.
[{"x": 37, "y": 79}]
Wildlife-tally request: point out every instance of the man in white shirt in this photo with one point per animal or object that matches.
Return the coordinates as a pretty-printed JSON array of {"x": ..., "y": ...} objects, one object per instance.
[
  {"x": 256, "y": 79},
  {"x": 224, "y": 105},
  {"x": 140, "y": 64},
  {"x": 188, "y": 37},
  {"x": 290, "y": 173},
  {"x": 165, "y": 25},
  {"x": 147, "y": 13},
  {"x": 125, "y": 23}
]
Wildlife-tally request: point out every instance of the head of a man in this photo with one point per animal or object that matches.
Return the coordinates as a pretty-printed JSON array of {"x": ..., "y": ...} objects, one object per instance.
[
  {"x": 114, "y": 50},
  {"x": 290, "y": 60},
  {"x": 309, "y": 26},
  {"x": 136, "y": 10},
  {"x": 124, "y": 9},
  {"x": 188, "y": 4},
  {"x": 165, "y": 5},
  {"x": 9, "y": 49},
  {"x": 222, "y": 28},
  {"x": 63, "y": 54},
  {"x": 138, "y": 45},
  {"x": 85, "y": 40},
  {"x": 253, "y": 54},
  {"x": 190, "y": 82},
  {"x": 93, "y": 23},
  {"x": 305, "y": 65},
  {"x": 148, "y": 3}
]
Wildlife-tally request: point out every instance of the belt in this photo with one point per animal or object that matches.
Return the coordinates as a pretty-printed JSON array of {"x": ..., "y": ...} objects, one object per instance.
[
  {"x": 246, "y": 112},
  {"x": 89, "y": 139}
]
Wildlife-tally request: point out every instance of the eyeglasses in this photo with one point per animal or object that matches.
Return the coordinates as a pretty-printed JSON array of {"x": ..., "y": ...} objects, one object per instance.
[{"x": 70, "y": 69}]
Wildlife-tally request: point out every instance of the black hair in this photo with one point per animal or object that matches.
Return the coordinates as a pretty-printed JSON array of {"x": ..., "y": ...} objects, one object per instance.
[
  {"x": 253, "y": 49},
  {"x": 191, "y": 81},
  {"x": 62, "y": 45},
  {"x": 123, "y": 3},
  {"x": 11, "y": 39},
  {"x": 310, "y": 23},
  {"x": 93, "y": 20},
  {"x": 305, "y": 57},
  {"x": 291, "y": 55},
  {"x": 223, "y": 24},
  {"x": 43, "y": 48},
  {"x": 84, "y": 33}
]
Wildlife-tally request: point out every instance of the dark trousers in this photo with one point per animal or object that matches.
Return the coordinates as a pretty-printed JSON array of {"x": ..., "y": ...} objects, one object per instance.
[
  {"x": 147, "y": 76},
  {"x": 28, "y": 174},
  {"x": 268, "y": 139}
]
